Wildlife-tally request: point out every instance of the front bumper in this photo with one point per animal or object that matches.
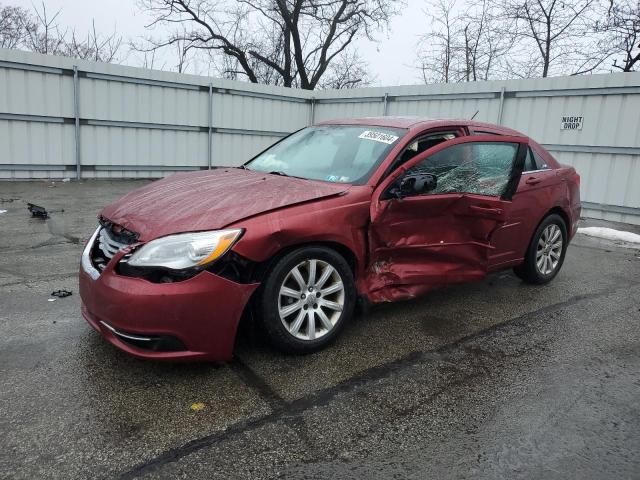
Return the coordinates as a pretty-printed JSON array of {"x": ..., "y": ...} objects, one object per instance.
[{"x": 202, "y": 313}]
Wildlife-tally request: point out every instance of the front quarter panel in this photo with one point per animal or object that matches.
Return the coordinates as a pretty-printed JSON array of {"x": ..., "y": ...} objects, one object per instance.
[{"x": 341, "y": 219}]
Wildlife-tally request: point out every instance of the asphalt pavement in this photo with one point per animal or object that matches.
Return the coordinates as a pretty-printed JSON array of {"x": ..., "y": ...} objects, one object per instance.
[{"x": 495, "y": 379}]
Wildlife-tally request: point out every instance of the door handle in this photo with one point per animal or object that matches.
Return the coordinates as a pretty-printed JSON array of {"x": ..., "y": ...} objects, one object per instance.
[
  {"x": 532, "y": 181},
  {"x": 479, "y": 209}
]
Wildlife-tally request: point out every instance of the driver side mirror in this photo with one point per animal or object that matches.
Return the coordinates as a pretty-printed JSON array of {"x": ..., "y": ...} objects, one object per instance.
[{"x": 414, "y": 184}]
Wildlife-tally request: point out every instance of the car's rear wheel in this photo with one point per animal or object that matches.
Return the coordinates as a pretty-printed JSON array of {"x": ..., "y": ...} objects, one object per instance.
[
  {"x": 306, "y": 299},
  {"x": 545, "y": 254}
]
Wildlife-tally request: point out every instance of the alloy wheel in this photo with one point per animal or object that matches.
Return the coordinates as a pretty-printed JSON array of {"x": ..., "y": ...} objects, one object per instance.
[
  {"x": 549, "y": 249},
  {"x": 311, "y": 299}
]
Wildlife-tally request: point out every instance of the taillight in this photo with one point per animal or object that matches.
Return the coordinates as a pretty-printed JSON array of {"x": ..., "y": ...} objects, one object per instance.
[{"x": 577, "y": 178}]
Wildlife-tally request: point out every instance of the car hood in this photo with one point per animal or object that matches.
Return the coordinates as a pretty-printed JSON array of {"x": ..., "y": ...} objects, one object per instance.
[{"x": 209, "y": 200}]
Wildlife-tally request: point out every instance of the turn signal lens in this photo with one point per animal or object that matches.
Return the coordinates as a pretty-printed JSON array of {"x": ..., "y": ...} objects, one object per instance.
[{"x": 225, "y": 242}]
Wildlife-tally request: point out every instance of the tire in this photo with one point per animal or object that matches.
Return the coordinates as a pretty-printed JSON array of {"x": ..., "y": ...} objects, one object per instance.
[
  {"x": 530, "y": 271},
  {"x": 289, "y": 304}
]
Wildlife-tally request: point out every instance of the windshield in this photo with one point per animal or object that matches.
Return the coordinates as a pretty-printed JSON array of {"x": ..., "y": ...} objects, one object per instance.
[{"x": 333, "y": 153}]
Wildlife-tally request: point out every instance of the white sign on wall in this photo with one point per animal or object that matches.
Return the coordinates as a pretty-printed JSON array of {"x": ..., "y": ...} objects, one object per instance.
[{"x": 571, "y": 122}]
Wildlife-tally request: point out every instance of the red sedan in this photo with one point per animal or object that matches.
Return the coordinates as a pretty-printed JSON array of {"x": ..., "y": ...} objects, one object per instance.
[{"x": 371, "y": 210}]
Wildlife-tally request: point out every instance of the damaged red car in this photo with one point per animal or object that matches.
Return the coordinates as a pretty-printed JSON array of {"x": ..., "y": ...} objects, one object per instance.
[{"x": 369, "y": 210}]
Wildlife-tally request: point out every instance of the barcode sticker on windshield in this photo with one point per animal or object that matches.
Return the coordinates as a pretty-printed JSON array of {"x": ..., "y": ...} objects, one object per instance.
[{"x": 378, "y": 137}]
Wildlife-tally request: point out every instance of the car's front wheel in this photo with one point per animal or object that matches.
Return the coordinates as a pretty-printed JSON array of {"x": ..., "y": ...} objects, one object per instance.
[
  {"x": 546, "y": 252},
  {"x": 307, "y": 298}
]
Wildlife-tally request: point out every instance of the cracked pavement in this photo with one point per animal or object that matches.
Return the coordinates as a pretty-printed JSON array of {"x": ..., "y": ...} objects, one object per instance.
[{"x": 495, "y": 379}]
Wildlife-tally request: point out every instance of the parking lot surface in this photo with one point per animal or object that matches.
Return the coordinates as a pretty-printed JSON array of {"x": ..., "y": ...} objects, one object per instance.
[{"x": 495, "y": 379}]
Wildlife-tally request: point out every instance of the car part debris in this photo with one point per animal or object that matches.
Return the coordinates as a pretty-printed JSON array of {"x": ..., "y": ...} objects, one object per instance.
[
  {"x": 61, "y": 293},
  {"x": 3, "y": 211},
  {"x": 37, "y": 211}
]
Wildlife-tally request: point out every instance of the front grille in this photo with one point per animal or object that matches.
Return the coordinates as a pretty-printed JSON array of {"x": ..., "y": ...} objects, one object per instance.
[{"x": 109, "y": 242}]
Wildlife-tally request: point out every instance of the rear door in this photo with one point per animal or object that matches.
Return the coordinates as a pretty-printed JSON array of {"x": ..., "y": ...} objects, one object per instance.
[
  {"x": 442, "y": 236},
  {"x": 534, "y": 197}
]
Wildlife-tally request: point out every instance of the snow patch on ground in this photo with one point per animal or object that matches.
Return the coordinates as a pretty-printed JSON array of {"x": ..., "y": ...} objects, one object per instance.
[{"x": 610, "y": 234}]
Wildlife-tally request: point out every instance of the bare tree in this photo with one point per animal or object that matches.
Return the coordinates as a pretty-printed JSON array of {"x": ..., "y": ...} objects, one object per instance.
[
  {"x": 95, "y": 47},
  {"x": 44, "y": 35},
  {"x": 39, "y": 31},
  {"x": 439, "y": 49},
  {"x": 182, "y": 49},
  {"x": 349, "y": 71},
  {"x": 463, "y": 43},
  {"x": 622, "y": 25},
  {"x": 485, "y": 47},
  {"x": 14, "y": 24},
  {"x": 149, "y": 60},
  {"x": 551, "y": 36},
  {"x": 282, "y": 42}
]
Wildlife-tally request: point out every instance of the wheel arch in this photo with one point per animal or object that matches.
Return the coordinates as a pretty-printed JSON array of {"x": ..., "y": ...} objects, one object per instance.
[
  {"x": 524, "y": 270},
  {"x": 340, "y": 248},
  {"x": 561, "y": 213},
  {"x": 555, "y": 210}
]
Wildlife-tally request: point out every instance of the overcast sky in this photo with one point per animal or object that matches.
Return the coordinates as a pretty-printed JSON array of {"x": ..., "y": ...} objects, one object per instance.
[{"x": 391, "y": 60}]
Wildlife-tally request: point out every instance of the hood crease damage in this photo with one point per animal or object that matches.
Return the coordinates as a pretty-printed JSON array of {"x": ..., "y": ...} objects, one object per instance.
[{"x": 210, "y": 200}]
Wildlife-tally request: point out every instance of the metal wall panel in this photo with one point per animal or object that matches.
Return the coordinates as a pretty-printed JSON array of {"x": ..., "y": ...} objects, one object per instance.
[
  {"x": 35, "y": 93},
  {"x": 142, "y": 147},
  {"x": 132, "y": 122},
  {"x": 487, "y": 110},
  {"x": 607, "y": 182},
  {"x": 253, "y": 113},
  {"x": 144, "y": 123},
  {"x": 130, "y": 102},
  {"x": 610, "y": 120},
  {"x": 34, "y": 143},
  {"x": 328, "y": 111}
]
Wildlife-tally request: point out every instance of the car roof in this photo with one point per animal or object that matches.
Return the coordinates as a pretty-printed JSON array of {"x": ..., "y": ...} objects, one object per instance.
[{"x": 420, "y": 123}]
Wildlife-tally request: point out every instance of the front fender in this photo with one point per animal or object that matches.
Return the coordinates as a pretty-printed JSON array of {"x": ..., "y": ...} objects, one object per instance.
[{"x": 341, "y": 220}]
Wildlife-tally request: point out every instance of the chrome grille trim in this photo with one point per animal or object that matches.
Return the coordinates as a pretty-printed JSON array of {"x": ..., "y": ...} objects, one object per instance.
[
  {"x": 108, "y": 244},
  {"x": 86, "y": 263},
  {"x": 128, "y": 336}
]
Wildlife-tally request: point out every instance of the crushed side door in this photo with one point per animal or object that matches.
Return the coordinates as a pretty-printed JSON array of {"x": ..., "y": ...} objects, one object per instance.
[{"x": 421, "y": 242}]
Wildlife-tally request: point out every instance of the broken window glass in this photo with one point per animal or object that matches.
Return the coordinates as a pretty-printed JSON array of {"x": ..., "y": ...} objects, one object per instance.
[{"x": 482, "y": 168}]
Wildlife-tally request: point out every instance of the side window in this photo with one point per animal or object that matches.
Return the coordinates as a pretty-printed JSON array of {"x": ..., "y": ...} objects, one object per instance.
[
  {"x": 540, "y": 162},
  {"x": 422, "y": 144},
  {"x": 529, "y": 162},
  {"x": 534, "y": 162},
  {"x": 483, "y": 168}
]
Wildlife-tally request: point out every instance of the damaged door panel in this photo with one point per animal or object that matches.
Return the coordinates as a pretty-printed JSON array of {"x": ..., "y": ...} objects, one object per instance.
[{"x": 433, "y": 219}]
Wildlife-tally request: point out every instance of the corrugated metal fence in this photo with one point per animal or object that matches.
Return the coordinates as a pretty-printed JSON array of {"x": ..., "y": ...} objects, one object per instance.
[{"x": 62, "y": 117}]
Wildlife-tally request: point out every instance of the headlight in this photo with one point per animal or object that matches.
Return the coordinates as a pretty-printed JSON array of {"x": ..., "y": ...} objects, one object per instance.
[{"x": 185, "y": 250}]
